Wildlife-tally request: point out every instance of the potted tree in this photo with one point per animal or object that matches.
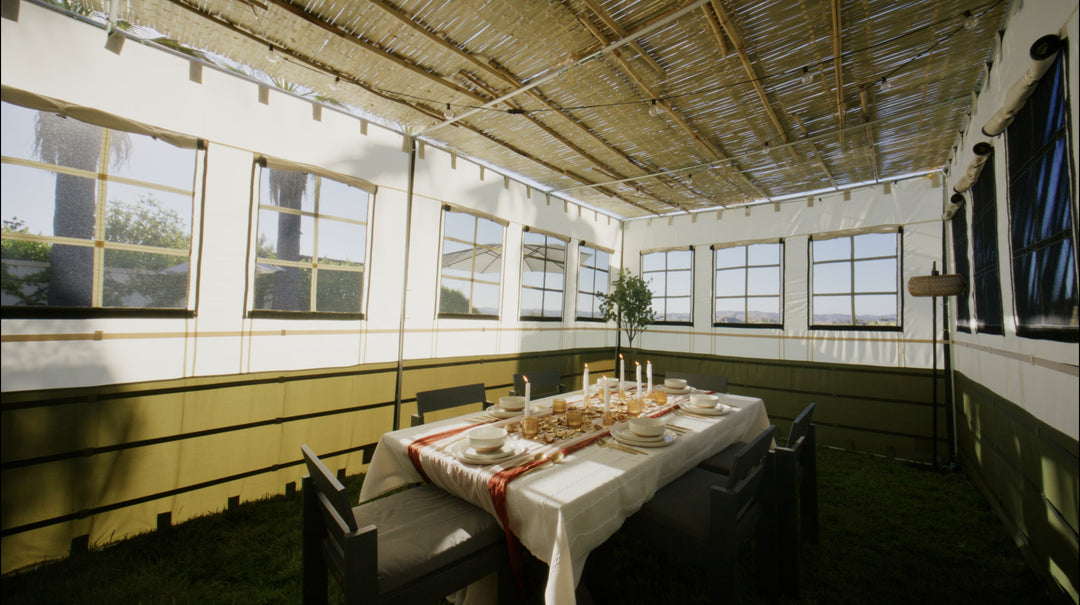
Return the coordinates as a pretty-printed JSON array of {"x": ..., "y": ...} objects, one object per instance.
[{"x": 629, "y": 305}]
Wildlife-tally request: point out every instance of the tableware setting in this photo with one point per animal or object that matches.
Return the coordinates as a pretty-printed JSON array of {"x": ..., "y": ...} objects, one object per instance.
[
  {"x": 622, "y": 433},
  {"x": 700, "y": 400},
  {"x": 719, "y": 409},
  {"x": 465, "y": 452},
  {"x": 674, "y": 386},
  {"x": 487, "y": 439},
  {"x": 508, "y": 407}
]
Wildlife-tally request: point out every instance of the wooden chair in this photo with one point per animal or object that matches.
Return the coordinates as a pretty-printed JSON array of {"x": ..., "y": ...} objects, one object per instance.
[
  {"x": 796, "y": 481},
  {"x": 543, "y": 382},
  {"x": 414, "y": 546},
  {"x": 451, "y": 397},
  {"x": 707, "y": 382},
  {"x": 701, "y": 516}
]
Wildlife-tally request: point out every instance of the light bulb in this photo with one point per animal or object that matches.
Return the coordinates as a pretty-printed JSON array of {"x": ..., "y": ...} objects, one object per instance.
[
  {"x": 448, "y": 113},
  {"x": 272, "y": 56},
  {"x": 335, "y": 83},
  {"x": 970, "y": 21},
  {"x": 654, "y": 109},
  {"x": 807, "y": 77},
  {"x": 885, "y": 85}
]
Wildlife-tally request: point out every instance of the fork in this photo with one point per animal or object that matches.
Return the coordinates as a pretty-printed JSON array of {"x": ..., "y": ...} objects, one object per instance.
[{"x": 603, "y": 442}]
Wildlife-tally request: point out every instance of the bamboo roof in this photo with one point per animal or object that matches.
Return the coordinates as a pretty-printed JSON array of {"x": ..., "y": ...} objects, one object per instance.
[{"x": 635, "y": 107}]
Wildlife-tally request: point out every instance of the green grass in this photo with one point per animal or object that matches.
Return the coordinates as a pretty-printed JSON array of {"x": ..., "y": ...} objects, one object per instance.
[{"x": 891, "y": 532}]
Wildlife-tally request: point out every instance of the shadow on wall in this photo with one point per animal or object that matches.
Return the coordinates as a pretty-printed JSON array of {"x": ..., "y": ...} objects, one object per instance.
[{"x": 65, "y": 458}]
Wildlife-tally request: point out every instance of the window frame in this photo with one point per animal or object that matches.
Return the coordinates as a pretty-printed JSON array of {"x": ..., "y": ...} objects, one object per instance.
[
  {"x": 446, "y": 209},
  {"x": 102, "y": 176},
  {"x": 961, "y": 250},
  {"x": 265, "y": 163},
  {"x": 1023, "y": 176},
  {"x": 899, "y": 234},
  {"x": 582, "y": 246},
  {"x": 988, "y": 313},
  {"x": 746, "y": 296},
  {"x": 667, "y": 271},
  {"x": 544, "y": 290}
]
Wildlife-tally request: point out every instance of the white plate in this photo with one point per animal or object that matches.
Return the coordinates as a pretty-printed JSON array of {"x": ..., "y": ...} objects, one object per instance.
[
  {"x": 462, "y": 451},
  {"x": 498, "y": 412},
  {"x": 622, "y": 433},
  {"x": 720, "y": 409},
  {"x": 671, "y": 391}
]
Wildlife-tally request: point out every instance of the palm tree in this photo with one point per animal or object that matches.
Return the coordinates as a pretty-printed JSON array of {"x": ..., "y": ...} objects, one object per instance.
[
  {"x": 287, "y": 191},
  {"x": 75, "y": 144}
]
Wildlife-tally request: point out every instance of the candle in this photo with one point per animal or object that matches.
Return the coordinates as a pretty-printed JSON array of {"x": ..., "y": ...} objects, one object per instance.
[
  {"x": 637, "y": 370},
  {"x": 528, "y": 394},
  {"x": 648, "y": 371},
  {"x": 585, "y": 381},
  {"x": 606, "y": 400},
  {"x": 622, "y": 370}
]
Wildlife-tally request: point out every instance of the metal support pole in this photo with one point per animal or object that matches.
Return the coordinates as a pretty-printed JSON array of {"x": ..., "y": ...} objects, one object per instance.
[{"x": 404, "y": 283}]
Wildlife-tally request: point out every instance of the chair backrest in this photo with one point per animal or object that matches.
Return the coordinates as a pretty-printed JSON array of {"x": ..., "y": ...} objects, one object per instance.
[
  {"x": 541, "y": 381},
  {"x": 800, "y": 428},
  {"x": 331, "y": 492},
  {"x": 708, "y": 382},
  {"x": 747, "y": 469},
  {"x": 450, "y": 397}
]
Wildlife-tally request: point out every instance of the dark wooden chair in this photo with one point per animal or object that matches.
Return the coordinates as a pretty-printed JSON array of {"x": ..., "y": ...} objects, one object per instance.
[
  {"x": 450, "y": 397},
  {"x": 707, "y": 382},
  {"x": 796, "y": 481},
  {"x": 796, "y": 488},
  {"x": 702, "y": 516},
  {"x": 544, "y": 382},
  {"x": 414, "y": 546}
]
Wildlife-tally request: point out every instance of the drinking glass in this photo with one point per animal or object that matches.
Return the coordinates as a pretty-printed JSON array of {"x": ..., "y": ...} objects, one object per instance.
[
  {"x": 558, "y": 405},
  {"x": 573, "y": 418},
  {"x": 530, "y": 426}
]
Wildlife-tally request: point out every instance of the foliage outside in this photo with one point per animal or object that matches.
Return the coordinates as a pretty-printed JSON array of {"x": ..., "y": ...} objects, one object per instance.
[{"x": 629, "y": 305}]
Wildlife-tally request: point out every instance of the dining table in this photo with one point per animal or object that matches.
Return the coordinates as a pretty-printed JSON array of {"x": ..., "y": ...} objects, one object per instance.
[{"x": 565, "y": 491}]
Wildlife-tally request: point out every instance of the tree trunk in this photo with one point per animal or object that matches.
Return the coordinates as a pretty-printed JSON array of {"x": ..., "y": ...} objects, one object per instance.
[{"x": 71, "y": 268}]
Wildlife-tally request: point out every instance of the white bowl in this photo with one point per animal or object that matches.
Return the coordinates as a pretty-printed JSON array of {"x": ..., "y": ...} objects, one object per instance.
[
  {"x": 675, "y": 383},
  {"x": 644, "y": 426},
  {"x": 704, "y": 401},
  {"x": 512, "y": 403},
  {"x": 487, "y": 438}
]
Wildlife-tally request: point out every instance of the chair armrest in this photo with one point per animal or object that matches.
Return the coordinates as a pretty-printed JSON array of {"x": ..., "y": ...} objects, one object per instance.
[
  {"x": 416, "y": 420},
  {"x": 562, "y": 388}
]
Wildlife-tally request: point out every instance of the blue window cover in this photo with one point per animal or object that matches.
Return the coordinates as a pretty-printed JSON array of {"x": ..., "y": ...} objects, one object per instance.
[
  {"x": 1042, "y": 229},
  {"x": 984, "y": 244}
]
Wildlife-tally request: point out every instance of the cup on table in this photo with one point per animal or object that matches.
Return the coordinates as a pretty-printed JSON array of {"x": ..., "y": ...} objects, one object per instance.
[
  {"x": 659, "y": 397},
  {"x": 649, "y": 428},
  {"x": 633, "y": 406},
  {"x": 573, "y": 418},
  {"x": 530, "y": 426},
  {"x": 512, "y": 403},
  {"x": 487, "y": 439},
  {"x": 558, "y": 405}
]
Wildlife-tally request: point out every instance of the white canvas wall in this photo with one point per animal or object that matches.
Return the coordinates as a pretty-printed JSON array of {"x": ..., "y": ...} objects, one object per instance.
[
  {"x": 1039, "y": 375},
  {"x": 913, "y": 205},
  {"x": 53, "y": 55}
]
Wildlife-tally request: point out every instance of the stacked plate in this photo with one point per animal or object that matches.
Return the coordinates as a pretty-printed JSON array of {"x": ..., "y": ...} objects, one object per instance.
[
  {"x": 718, "y": 410},
  {"x": 466, "y": 453},
  {"x": 498, "y": 412},
  {"x": 622, "y": 433}
]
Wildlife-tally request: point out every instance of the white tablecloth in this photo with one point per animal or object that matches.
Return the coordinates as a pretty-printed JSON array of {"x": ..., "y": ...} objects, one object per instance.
[{"x": 562, "y": 512}]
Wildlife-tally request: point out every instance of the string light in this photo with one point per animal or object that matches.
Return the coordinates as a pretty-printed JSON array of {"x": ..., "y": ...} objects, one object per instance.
[
  {"x": 335, "y": 83},
  {"x": 971, "y": 21},
  {"x": 807, "y": 77},
  {"x": 885, "y": 85},
  {"x": 272, "y": 55},
  {"x": 448, "y": 113},
  {"x": 654, "y": 109}
]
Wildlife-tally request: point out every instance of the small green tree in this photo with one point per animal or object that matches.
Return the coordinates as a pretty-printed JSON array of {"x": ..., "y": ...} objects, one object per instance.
[{"x": 629, "y": 305}]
